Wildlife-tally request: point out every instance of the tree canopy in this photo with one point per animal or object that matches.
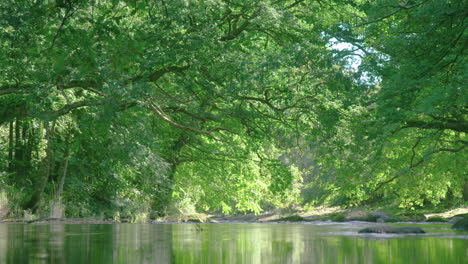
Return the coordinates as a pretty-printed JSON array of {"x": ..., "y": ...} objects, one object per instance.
[{"x": 231, "y": 105}]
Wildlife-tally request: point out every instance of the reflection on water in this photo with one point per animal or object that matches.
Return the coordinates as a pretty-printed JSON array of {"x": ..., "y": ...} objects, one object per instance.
[{"x": 224, "y": 243}]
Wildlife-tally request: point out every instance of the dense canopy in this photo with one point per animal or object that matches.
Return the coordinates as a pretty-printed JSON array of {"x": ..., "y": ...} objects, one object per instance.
[{"x": 124, "y": 106}]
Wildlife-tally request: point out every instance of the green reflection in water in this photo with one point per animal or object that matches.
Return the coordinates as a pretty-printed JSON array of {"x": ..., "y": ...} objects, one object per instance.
[{"x": 224, "y": 243}]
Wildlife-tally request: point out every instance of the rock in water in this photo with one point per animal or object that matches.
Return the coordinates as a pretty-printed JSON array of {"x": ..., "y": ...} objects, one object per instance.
[
  {"x": 461, "y": 224},
  {"x": 392, "y": 230},
  {"x": 455, "y": 219}
]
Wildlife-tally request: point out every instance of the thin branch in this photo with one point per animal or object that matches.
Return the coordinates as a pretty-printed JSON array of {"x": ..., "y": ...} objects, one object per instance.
[
  {"x": 159, "y": 112},
  {"x": 238, "y": 30},
  {"x": 413, "y": 149},
  {"x": 68, "y": 13},
  {"x": 399, "y": 8},
  {"x": 181, "y": 110},
  {"x": 155, "y": 76},
  {"x": 295, "y": 3},
  {"x": 70, "y": 107},
  {"x": 421, "y": 161},
  {"x": 89, "y": 85}
]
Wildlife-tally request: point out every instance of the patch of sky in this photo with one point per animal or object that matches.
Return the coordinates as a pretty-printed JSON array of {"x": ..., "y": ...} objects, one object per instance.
[
  {"x": 353, "y": 59},
  {"x": 352, "y": 56}
]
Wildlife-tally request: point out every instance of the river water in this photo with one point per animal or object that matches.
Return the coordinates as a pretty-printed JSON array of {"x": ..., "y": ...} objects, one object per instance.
[{"x": 316, "y": 242}]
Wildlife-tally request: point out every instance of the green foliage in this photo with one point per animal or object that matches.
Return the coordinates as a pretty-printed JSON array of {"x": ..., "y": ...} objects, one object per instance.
[
  {"x": 142, "y": 107},
  {"x": 436, "y": 219},
  {"x": 403, "y": 138},
  {"x": 235, "y": 184},
  {"x": 293, "y": 218},
  {"x": 139, "y": 103},
  {"x": 338, "y": 217}
]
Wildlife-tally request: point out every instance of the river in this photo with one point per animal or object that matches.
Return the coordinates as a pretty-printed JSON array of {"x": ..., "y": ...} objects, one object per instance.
[{"x": 315, "y": 242}]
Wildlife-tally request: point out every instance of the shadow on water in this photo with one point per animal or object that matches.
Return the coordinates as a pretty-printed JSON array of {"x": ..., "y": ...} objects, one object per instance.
[{"x": 225, "y": 243}]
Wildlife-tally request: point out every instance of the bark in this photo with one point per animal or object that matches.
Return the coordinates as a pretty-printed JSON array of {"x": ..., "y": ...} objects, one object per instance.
[
  {"x": 459, "y": 126},
  {"x": 47, "y": 167},
  {"x": 17, "y": 155},
  {"x": 63, "y": 168},
  {"x": 30, "y": 145},
  {"x": 163, "y": 203},
  {"x": 465, "y": 191},
  {"x": 10, "y": 147}
]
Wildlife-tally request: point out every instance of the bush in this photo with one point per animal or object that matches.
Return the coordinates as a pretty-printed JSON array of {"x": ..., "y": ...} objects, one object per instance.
[
  {"x": 436, "y": 219},
  {"x": 292, "y": 218},
  {"x": 338, "y": 218}
]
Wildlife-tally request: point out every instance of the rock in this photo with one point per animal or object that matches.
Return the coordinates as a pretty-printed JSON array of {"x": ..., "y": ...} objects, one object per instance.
[
  {"x": 382, "y": 217},
  {"x": 361, "y": 215},
  {"x": 392, "y": 230},
  {"x": 455, "y": 219},
  {"x": 380, "y": 214},
  {"x": 461, "y": 224},
  {"x": 358, "y": 215}
]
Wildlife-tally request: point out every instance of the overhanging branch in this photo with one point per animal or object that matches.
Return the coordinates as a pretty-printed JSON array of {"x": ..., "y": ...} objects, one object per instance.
[
  {"x": 459, "y": 126},
  {"x": 70, "y": 107},
  {"x": 159, "y": 112},
  {"x": 421, "y": 161}
]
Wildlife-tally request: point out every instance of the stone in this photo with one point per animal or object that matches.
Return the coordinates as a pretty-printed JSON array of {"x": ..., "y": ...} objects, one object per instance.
[
  {"x": 461, "y": 224},
  {"x": 392, "y": 230},
  {"x": 358, "y": 215},
  {"x": 382, "y": 216},
  {"x": 455, "y": 219}
]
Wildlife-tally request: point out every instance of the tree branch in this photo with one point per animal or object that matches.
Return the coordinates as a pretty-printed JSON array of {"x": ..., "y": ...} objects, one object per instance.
[
  {"x": 399, "y": 8},
  {"x": 232, "y": 34},
  {"x": 159, "y": 112},
  {"x": 421, "y": 161},
  {"x": 89, "y": 85},
  {"x": 68, "y": 13},
  {"x": 68, "y": 108},
  {"x": 459, "y": 126}
]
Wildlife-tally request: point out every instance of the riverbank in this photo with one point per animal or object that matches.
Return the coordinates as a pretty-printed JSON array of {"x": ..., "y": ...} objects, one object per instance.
[
  {"x": 337, "y": 214},
  {"x": 334, "y": 214}
]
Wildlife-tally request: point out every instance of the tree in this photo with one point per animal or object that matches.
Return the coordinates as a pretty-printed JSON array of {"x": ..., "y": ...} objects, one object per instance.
[
  {"x": 406, "y": 135},
  {"x": 212, "y": 73}
]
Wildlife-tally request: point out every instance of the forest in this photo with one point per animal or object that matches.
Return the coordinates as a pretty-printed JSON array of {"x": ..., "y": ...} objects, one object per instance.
[{"x": 126, "y": 107}]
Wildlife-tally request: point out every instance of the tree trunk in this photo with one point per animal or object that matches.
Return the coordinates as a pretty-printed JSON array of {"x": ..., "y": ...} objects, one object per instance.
[
  {"x": 164, "y": 201},
  {"x": 63, "y": 168},
  {"x": 17, "y": 154},
  {"x": 465, "y": 191},
  {"x": 10, "y": 147},
  {"x": 30, "y": 145},
  {"x": 47, "y": 167}
]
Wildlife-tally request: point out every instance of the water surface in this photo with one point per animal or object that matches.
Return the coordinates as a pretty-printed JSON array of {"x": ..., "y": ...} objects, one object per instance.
[{"x": 226, "y": 243}]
